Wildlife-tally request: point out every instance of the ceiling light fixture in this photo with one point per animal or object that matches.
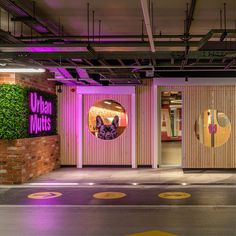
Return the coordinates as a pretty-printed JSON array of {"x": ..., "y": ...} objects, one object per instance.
[{"x": 22, "y": 70}]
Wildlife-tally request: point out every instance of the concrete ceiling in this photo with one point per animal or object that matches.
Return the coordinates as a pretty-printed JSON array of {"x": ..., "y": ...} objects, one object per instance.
[
  {"x": 60, "y": 30},
  {"x": 125, "y": 17}
]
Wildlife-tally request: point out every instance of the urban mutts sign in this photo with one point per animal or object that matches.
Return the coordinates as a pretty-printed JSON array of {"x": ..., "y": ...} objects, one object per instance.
[{"x": 41, "y": 112}]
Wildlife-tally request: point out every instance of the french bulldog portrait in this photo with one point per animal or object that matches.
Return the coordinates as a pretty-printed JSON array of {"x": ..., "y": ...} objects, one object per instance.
[{"x": 107, "y": 132}]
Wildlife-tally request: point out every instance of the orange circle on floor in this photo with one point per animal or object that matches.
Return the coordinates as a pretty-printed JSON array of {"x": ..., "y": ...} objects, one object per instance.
[
  {"x": 174, "y": 195},
  {"x": 44, "y": 195},
  {"x": 109, "y": 195}
]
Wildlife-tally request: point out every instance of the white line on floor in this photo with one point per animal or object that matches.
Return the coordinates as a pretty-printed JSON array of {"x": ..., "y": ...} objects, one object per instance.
[
  {"x": 78, "y": 185},
  {"x": 118, "y": 206}
]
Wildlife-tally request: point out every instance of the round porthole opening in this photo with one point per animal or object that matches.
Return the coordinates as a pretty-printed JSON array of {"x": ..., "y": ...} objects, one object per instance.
[{"x": 107, "y": 119}]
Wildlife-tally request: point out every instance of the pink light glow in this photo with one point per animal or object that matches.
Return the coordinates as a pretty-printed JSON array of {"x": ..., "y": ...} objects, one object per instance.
[
  {"x": 41, "y": 49},
  {"x": 82, "y": 73},
  {"x": 54, "y": 49}
]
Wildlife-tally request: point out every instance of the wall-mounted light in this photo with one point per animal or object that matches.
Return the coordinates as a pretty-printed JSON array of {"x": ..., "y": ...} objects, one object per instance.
[{"x": 22, "y": 70}]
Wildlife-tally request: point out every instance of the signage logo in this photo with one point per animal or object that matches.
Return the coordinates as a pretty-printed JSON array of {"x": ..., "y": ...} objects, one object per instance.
[{"x": 41, "y": 111}]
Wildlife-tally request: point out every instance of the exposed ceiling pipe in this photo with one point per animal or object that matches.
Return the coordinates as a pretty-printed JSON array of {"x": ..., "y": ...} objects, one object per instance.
[
  {"x": 105, "y": 67},
  {"x": 0, "y": 18},
  {"x": 99, "y": 29},
  {"x": 84, "y": 37},
  {"x": 224, "y": 34},
  {"x": 144, "y": 4},
  {"x": 93, "y": 23},
  {"x": 190, "y": 16},
  {"x": 220, "y": 18},
  {"x": 88, "y": 23}
]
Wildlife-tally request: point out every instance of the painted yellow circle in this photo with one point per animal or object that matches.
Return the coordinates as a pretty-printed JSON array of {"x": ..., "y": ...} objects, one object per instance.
[
  {"x": 44, "y": 195},
  {"x": 174, "y": 195},
  {"x": 109, "y": 195}
]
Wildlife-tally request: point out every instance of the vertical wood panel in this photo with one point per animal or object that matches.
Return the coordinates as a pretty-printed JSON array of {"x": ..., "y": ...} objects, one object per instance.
[
  {"x": 67, "y": 125},
  {"x": 144, "y": 123},
  {"x": 107, "y": 152},
  {"x": 196, "y": 100}
]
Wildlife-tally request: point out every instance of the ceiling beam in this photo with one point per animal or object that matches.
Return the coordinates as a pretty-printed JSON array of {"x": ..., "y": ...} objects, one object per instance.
[
  {"x": 145, "y": 9},
  {"x": 8, "y": 38},
  {"x": 107, "y": 67},
  {"x": 83, "y": 74},
  {"x": 85, "y": 37},
  {"x": 177, "y": 55},
  {"x": 25, "y": 17},
  {"x": 61, "y": 74}
]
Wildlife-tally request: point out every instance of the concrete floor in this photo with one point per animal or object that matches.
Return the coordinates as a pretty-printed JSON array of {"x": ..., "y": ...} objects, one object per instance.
[
  {"x": 128, "y": 175},
  {"x": 210, "y": 210},
  {"x": 87, "y": 221}
]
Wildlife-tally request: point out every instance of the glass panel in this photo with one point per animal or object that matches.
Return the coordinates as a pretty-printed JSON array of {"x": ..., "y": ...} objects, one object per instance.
[
  {"x": 212, "y": 128},
  {"x": 107, "y": 119}
]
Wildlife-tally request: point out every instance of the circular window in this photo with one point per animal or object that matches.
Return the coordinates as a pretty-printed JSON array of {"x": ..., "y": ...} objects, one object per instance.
[
  {"x": 107, "y": 119},
  {"x": 213, "y": 128}
]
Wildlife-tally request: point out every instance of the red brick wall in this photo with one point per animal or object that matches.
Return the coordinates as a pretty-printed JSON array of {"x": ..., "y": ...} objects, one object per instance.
[
  {"x": 7, "y": 78},
  {"x": 38, "y": 81},
  {"x": 23, "y": 159}
]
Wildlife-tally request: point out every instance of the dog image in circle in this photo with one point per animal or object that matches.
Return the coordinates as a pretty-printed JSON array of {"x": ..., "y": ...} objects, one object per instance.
[{"x": 107, "y": 132}]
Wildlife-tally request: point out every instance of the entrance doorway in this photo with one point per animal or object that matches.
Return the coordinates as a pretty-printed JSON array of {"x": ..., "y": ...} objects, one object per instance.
[{"x": 171, "y": 128}]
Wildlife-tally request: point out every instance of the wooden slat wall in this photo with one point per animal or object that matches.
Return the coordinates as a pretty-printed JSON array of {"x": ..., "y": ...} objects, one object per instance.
[
  {"x": 66, "y": 125},
  {"x": 144, "y": 123},
  {"x": 104, "y": 152},
  {"x": 197, "y": 99}
]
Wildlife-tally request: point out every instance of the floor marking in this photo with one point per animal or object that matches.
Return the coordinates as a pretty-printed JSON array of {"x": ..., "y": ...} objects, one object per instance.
[
  {"x": 153, "y": 233},
  {"x": 119, "y": 186},
  {"x": 174, "y": 195},
  {"x": 119, "y": 206},
  {"x": 44, "y": 195},
  {"x": 109, "y": 195}
]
